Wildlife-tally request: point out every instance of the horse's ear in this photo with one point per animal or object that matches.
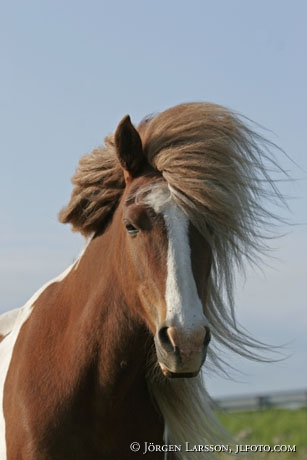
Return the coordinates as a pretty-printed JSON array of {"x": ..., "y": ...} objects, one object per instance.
[{"x": 129, "y": 147}]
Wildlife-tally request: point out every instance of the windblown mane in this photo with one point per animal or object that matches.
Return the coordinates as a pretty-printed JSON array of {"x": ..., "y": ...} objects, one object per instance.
[
  {"x": 98, "y": 186},
  {"x": 216, "y": 169}
]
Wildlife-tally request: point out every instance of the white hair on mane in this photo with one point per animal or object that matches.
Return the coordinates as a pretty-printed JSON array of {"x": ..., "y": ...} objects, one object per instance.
[{"x": 188, "y": 414}]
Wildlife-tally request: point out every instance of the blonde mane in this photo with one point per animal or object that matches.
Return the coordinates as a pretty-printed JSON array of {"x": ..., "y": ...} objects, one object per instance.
[{"x": 217, "y": 170}]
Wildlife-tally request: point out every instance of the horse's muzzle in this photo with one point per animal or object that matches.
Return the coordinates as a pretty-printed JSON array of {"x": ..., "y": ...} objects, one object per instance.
[{"x": 181, "y": 353}]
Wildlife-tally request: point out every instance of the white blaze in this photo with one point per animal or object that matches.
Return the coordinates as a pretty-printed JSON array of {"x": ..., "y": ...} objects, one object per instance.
[{"x": 184, "y": 308}]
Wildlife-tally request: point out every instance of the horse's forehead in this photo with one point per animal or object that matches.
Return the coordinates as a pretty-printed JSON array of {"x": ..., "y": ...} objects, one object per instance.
[{"x": 158, "y": 198}]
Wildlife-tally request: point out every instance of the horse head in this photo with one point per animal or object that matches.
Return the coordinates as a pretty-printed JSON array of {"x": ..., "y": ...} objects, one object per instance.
[{"x": 171, "y": 260}]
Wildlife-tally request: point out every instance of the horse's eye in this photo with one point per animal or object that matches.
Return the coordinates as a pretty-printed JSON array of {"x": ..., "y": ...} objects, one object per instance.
[{"x": 131, "y": 229}]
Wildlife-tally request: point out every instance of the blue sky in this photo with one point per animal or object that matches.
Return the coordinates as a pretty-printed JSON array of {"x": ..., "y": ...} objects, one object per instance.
[{"x": 69, "y": 72}]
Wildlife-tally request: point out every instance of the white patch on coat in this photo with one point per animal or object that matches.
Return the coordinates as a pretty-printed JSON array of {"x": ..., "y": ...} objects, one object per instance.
[{"x": 7, "y": 321}]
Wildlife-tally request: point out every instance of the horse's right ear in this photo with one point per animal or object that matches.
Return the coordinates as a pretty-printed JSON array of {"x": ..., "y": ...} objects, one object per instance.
[{"x": 129, "y": 148}]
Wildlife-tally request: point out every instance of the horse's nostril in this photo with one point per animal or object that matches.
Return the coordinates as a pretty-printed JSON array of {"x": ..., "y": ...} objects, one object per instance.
[
  {"x": 165, "y": 340},
  {"x": 173, "y": 339},
  {"x": 207, "y": 336}
]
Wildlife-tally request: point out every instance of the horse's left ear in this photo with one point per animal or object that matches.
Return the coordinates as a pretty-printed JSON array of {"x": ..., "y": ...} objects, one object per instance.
[{"x": 129, "y": 148}]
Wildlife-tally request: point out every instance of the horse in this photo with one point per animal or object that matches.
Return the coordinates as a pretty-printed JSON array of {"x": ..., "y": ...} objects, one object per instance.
[{"x": 104, "y": 361}]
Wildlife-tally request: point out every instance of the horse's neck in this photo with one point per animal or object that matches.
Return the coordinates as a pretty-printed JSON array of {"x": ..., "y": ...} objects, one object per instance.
[
  {"x": 88, "y": 356},
  {"x": 116, "y": 344},
  {"x": 100, "y": 314}
]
